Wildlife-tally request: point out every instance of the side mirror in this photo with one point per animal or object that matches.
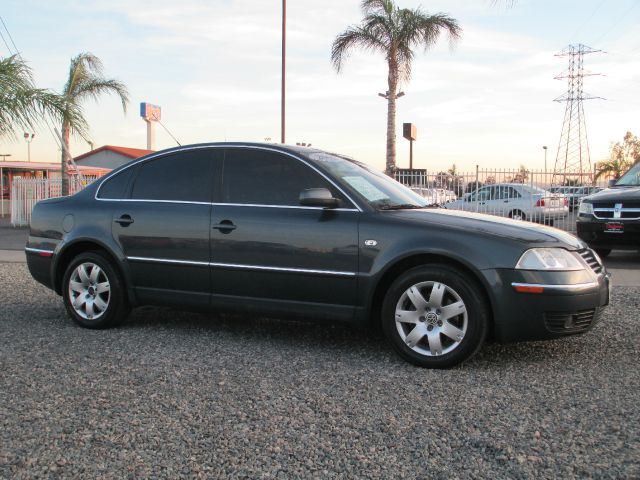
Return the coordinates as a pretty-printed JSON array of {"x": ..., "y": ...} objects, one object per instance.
[
  {"x": 611, "y": 183},
  {"x": 318, "y": 197}
]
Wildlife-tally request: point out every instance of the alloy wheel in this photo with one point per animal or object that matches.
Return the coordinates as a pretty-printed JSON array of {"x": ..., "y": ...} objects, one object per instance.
[
  {"x": 431, "y": 318},
  {"x": 89, "y": 291}
]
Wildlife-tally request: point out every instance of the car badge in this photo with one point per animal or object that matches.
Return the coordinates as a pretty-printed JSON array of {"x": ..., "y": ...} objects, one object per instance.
[{"x": 617, "y": 210}]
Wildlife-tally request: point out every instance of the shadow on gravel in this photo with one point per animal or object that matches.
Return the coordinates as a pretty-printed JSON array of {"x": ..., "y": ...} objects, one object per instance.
[{"x": 304, "y": 337}]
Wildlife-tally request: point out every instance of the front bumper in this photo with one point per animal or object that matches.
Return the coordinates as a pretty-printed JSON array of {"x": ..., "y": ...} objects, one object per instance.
[
  {"x": 544, "y": 305},
  {"x": 592, "y": 231}
]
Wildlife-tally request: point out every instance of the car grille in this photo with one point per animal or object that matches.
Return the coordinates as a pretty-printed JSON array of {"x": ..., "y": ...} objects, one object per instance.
[
  {"x": 589, "y": 257},
  {"x": 628, "y": 210},
  {"x": 563, "y": 322}
]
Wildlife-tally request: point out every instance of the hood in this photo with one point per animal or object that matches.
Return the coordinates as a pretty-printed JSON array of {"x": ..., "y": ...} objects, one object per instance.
[
  {"x": 528, "y": 233},
  {"x": 615, "y": 195}
]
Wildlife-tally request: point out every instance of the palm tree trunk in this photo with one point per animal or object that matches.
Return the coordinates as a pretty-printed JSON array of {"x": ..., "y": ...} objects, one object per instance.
[
  {"x": 64, "y": 172},
  {"x": 391, "y": 119}
]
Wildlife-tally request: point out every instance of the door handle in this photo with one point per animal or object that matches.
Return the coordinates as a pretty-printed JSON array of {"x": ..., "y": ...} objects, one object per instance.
[
  {"x": 225, "y": 226},
  {"x": 124, "y": 220}
]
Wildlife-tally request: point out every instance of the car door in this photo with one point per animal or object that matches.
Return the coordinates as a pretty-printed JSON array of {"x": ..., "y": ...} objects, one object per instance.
[
  {"x": 163, "y": 229},
  {"x": 508, "y": 199},
  {"x": 268, "y": 250}
]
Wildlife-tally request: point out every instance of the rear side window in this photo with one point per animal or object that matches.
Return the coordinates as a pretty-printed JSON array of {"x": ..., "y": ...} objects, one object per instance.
[
  {"x": 260, "y": 177},
  {"x": 116, "y": 186},
  {"x": 183, "y": 176}
]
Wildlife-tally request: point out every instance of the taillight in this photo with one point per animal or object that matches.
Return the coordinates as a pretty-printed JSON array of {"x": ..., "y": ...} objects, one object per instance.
[
  {"x": 566, "y": 202},
  {"x": 540, "y": 202}
]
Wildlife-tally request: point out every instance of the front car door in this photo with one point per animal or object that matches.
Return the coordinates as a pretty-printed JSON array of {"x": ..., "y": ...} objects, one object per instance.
[
  {"x": 268, "y": 250},
  {"x": 162, "y": 226}
]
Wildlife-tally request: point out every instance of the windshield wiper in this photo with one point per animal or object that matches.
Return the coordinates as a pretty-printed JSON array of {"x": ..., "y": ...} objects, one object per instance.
[{"x": 401, "y": 206}]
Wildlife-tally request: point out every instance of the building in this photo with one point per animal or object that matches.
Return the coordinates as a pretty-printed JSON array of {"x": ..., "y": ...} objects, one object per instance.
[{"x": 110, "y": 156}]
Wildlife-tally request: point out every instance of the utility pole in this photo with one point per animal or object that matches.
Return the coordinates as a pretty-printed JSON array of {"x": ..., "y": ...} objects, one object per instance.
[{"x": 284, "y": 52}]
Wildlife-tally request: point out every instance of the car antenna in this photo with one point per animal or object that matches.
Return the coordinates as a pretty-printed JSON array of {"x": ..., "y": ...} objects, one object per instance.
[{"x": 167, "y": 130}]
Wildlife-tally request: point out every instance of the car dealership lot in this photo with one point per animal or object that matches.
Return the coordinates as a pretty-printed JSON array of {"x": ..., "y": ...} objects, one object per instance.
[{"x": 184, "y": 394}]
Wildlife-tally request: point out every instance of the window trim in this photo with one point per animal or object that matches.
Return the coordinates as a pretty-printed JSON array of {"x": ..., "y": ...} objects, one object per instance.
[{"x": 200, "y": 147}]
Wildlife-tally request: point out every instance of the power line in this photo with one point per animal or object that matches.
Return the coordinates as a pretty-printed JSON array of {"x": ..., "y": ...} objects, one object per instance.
[
  {"x": 5, "y": 43},
  {"x": 587, "y": 20},
  {"x": 10, "y": 37},
  {"x": 616, "y": 23}
]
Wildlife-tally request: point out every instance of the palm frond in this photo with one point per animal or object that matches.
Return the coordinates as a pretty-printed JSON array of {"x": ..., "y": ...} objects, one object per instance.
[
  {"x": 22, "y": 105},
  {"x": 381, "y": 6},
  {"x": 350, "y": 38},
  {"x": 86, "y": 80}
]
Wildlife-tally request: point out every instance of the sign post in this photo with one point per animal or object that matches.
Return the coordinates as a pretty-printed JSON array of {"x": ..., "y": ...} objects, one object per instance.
[
  {"x": 150, "y": 114},
  {"x": 410, "y": 132}
]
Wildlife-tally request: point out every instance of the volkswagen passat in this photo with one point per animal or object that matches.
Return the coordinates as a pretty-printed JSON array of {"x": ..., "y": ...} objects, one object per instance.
[{"x": 275, "y": 230}]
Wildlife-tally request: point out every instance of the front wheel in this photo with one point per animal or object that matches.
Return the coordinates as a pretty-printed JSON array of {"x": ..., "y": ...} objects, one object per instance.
[
  {"x": 93, "y": 292},
  {"x": 435, "y": 316}
]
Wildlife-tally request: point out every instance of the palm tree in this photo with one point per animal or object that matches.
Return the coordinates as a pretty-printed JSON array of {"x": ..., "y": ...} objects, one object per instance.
[
  {"x": 85, "y": 80},
  {"x": 22, "y": 105},
  {"x": 394, "y": 32},
  {"x": 615, "y": 167}
]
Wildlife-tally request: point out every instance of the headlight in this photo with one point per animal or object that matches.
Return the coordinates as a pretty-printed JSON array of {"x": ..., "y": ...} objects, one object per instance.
[
  {"x": 586, "y": 208},
  {"x": 555, "y": 259}
]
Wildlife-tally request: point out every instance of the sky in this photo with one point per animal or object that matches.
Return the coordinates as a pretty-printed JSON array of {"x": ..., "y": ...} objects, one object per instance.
[{"x": 214, "y": 68}]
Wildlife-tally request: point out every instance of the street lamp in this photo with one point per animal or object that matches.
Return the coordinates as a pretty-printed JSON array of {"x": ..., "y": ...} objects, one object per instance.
[
  {"x": 545, "y": 158},
  {"x": 4, "y": 156},
  {"x": 29, "y": 138}
]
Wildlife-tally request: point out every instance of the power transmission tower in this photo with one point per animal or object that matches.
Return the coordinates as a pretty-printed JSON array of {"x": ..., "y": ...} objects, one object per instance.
[{"x": 572, "y": 160}]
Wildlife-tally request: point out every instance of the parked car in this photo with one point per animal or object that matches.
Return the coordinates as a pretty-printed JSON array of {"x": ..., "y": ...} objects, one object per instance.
[
  {"x": 575, "y": 194},
  {"x": 514, "y": 200},
  {"x": 610, "y": 219},
  {"x": 438, "y": 196},
  {"x": 277, "y": 230}
]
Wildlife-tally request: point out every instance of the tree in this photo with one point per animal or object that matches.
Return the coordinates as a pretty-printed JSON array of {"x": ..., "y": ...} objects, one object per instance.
[
  {"x": 622, "y": 156},
  {"x": 85, "y": 80},
  {"x": 521, "y": 176},
  {"x": 393, "y": 32},
  {"x": 22, "y": 105}
]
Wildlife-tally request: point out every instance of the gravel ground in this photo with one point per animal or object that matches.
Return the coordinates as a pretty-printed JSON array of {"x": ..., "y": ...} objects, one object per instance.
[{"x": 175, "y": 394}]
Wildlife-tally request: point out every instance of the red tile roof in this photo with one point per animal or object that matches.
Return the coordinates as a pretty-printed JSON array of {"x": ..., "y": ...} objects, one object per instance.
[
  {"x": 126, "y": 151},
  {"x": 46, "y": 166}
]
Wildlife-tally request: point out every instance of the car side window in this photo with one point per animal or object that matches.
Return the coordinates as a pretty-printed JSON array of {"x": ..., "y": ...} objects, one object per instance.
[
  {"x": 259, "y": 177},
  {"x": 183, "y": 176},
  {"x": 116, "y": 187}
]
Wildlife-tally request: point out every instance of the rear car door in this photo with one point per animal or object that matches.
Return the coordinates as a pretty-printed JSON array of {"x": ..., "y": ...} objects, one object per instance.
[
  {"x": 267, "y": 249},
  {"x": 163, "y": 227}
]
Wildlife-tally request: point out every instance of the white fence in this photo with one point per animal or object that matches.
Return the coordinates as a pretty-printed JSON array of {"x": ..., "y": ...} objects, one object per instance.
[
  {"x": 26, "y": 192},
  {"x": 536, "y": 196}
]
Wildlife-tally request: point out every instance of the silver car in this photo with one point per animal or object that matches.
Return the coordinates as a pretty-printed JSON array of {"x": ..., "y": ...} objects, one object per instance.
[{"x": 514, "y": 200}]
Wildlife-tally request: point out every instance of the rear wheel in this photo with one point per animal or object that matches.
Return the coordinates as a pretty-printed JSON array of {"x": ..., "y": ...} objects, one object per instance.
[
  {"x": 93, "y": 292},
  {"x": 517, "y": 215},
  {"x": 434, "y": 316}
]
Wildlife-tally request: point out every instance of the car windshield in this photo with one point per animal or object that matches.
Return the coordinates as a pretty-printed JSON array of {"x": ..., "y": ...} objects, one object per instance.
[
  {"x": 631, "y": 178},
  {"x": 377, "y": 189},
  {"x": 532, "y": 190}
]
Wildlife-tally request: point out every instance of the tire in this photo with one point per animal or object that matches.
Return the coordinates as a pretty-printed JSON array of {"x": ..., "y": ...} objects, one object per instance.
[
  {"x": 517, "y": 215},
  {"x": 603, "y": 252},
  {"x": 440, "y": 342},
  {"x": 91, "y": 276}
]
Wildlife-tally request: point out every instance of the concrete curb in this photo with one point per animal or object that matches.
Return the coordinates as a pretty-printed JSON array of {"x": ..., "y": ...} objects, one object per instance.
[{"x": 12, "y": 256}]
